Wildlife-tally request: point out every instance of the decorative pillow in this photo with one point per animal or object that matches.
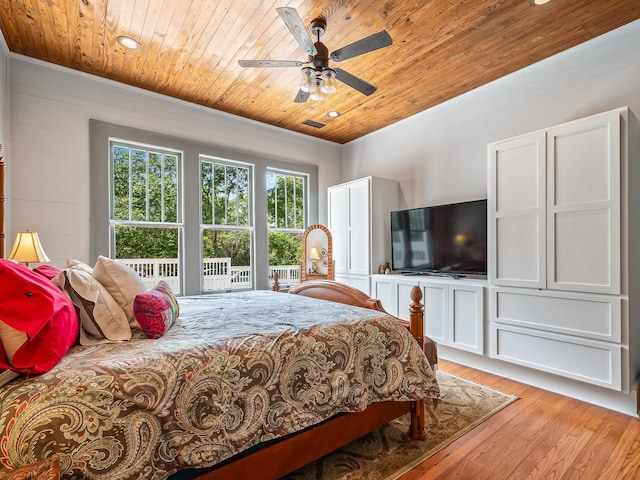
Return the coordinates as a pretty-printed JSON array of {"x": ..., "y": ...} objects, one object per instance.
[
  {"x": 78, "y": 265},
  {"x": 47, "y": 271},
  {"x": 32, "y": 304},
  {"x": 101, "y": 318},
  {"x": 156, "y": 310},
  {"x": 122, "y": 282}
]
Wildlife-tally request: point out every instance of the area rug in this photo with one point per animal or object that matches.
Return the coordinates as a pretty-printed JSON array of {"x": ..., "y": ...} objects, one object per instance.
[{"x": 387, "y": 453}]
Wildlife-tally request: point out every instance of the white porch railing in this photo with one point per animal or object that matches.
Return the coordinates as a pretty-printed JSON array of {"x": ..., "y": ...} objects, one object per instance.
[{"x": 218, "y": 273}]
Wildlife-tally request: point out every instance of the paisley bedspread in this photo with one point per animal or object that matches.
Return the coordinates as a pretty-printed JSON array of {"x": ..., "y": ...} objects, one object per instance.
[{"x": 235, "y": 370}]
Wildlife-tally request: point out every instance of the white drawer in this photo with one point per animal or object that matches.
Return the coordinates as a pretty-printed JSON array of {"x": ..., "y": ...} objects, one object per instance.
[
  {"x": 589, "y": 361},
  {"x": 583, "y": 315}
]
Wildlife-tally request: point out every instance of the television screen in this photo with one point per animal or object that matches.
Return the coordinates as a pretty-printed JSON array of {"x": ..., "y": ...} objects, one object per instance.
[{"x": 447, "y": 239}]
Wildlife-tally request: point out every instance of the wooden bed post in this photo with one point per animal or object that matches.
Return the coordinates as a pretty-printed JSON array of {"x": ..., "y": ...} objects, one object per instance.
[
  {"x": 276, "y": 282},
  {"x": 2, "y": 201},
  {"x": 416, "y": 315},
  {"x": 417, "y": 429}
]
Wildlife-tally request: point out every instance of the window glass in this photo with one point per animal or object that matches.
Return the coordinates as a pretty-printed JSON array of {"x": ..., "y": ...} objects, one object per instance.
[
  {"x": 286, "y": 200},
  {"x": 145, "y": 219},
  {"x": 227, "y": 230}
]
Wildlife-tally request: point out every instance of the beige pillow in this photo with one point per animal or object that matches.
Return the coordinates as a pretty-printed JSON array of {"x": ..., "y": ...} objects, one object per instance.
[
  {"x": 78, "y": 265},
  {"x": 101, "y": 318},
  {"x": 122, "y": 282},
  {"x": 12, "y": 339}
]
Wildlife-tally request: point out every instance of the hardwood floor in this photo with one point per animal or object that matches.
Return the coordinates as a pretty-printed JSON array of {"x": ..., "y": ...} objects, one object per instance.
[{"x": 542, "y": 435}]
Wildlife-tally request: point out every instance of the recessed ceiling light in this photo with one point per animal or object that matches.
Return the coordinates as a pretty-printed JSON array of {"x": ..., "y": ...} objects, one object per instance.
[
  {"x": 128, "y": 42},
  {"x": 535, "y": 3},
  {"x": 333, "y": 114}
]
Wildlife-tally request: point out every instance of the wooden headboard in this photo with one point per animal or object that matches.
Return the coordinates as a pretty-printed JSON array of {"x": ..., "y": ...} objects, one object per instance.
[{"x": 2, "y": 200}]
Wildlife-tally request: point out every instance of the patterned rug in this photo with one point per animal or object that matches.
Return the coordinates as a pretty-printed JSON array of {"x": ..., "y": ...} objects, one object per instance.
[{"x": 388, "y": 452}]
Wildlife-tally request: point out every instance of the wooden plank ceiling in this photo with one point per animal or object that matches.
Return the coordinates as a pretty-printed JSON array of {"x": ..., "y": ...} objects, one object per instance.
[{"x": 190, "y": 49}]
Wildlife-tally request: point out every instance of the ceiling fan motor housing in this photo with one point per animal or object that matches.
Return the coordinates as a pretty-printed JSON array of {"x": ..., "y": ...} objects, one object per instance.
[{"x": 320, "y": 61}]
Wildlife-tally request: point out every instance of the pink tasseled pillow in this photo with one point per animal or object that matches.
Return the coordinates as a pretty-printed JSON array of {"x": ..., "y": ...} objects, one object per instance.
[{"x": 156, "y": 310}]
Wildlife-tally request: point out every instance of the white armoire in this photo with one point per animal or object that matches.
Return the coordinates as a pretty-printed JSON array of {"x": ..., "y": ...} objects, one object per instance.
[
  {"x": 563, "y": 228},
  {"x": 359, "y": 221}
]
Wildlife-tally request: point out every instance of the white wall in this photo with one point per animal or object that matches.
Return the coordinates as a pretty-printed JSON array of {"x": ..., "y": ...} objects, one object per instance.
[
  {"x": 440, "y": 155},
  {"x": 50, "y": 108}
]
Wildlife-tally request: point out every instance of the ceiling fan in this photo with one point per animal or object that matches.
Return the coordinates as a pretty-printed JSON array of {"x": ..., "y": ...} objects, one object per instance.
[{"x": 317, "y": 78}]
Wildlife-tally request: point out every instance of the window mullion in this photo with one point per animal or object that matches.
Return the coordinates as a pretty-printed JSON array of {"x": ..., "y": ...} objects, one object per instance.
[
  {"x": 275, "y": 203},
  {"x": 130, "y": 179},
  {"x": 146, "y": 185},
  {"x": 162, "y": 215},
  {"x": 295, "y": 210},
  {"x": 286, "y": 202},
  {"x": 236, "y": 191},
  {"x": 226, "y": 196}
]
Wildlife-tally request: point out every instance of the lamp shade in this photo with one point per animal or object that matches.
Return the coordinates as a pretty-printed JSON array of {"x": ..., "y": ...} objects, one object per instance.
[
  {"x": 314, "y": 254},
  {"x": 27, "y": 248}
]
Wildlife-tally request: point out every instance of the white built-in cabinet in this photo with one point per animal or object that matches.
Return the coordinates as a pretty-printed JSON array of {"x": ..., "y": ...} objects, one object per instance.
[
  {"x": 359, "y": 221},
  {"x": 558, "y": 236},
  {"x": 454, "y": 309},
  {"x": 555, "y": 207}
]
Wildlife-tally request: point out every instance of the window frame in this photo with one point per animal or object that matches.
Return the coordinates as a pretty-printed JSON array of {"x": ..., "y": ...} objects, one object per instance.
[
  {"x": 250, "y": 227},
  {"x": 287, "y": 230},
  {"x": 99, "y": 134},
  {"x": 114, "y": 223}
]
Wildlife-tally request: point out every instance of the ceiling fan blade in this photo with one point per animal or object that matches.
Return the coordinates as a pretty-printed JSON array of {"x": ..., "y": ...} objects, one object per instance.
[
  {"x": 294, "y": 23},
  {"x": 355, "y": 82},
  {"x": 270, "y": 63},
  {"x": 301, "y": 97},
  {"x": 365, "y": 45}
]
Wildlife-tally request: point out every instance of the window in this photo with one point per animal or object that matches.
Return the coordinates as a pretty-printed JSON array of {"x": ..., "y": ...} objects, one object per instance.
[
  {"x": 145, "y": 223},
  {"x": 286, "y": 200},
  {"x": 227, "y": 227},
  {"x": 157, "y": 197}
]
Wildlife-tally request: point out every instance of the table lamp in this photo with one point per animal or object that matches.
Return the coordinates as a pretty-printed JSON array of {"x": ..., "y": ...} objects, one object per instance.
[
  {"x": 314, "y": 255},
  {"x": 27, "y": 248}
]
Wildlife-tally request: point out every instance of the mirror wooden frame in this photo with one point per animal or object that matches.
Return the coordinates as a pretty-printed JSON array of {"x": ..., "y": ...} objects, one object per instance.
[{"x": 317, "y": 236}]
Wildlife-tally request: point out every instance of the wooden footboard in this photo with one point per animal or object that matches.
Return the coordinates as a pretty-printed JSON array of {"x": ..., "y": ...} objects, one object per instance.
[
  {"x": 293, "y": 452},
  {"x": 341, "y": 293}
]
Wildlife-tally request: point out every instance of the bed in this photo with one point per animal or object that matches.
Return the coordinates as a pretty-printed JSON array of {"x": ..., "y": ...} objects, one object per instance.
[{"x": 244, "y": 380}]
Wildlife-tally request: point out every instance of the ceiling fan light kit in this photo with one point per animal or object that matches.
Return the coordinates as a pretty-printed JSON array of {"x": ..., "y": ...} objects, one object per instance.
[{"x": 317, "y": 79}]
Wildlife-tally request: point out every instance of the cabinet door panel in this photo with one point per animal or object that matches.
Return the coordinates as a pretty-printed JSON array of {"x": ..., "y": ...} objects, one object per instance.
[
  {"x": 583, "y": 205},
  {"x": 466, "y": 312},
  {"x": 581, "y": 315},
  {"x": 517, "y": 211},
  {"x": 588, "y": 361},
  {"x": 517, "y": 167},
  {"x": 582, "y": 250},
  {"x": 382, "y": 288},
  {"x": 338, "y": 226},
  {"x": 436, "y": 311},
  {"x": 359, "y": 252},
  {"x": 359, "y": 282},
  {"x": 518, "y": 245},
  {"x": 359, "y": 227}
]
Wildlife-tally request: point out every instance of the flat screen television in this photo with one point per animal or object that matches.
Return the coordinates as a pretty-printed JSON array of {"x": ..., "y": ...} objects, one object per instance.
[{"x": 443, "y": 239}]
